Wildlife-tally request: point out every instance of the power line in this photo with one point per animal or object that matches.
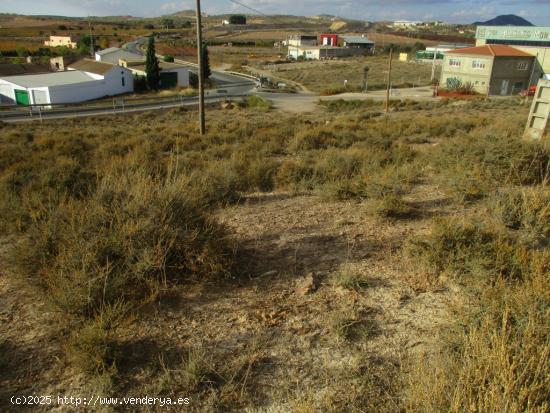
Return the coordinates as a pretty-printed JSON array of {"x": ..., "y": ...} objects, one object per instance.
[{"x": 248, "y": 7}]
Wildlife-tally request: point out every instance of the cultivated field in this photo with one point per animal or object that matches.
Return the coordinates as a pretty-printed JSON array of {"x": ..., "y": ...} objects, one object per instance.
[{"x": 338, "y": 261}]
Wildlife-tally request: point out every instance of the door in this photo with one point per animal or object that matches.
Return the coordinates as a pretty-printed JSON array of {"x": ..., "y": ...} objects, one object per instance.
[
  {"x": 504, "y": 87},
  {"x": 168, "y": 79},
  {"x": 40, "y": 97},
  {"x": 22, "y": 97},
  {"x": 5, "y": 94}
]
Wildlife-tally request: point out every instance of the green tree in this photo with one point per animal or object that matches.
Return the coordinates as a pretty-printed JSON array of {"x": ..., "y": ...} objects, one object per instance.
[
  {"x": 152, "y": 68},
  {"x": 206, "y": 72},
  {"x": 168, "y": 58},
  {"x": 168, "y": 24},
  {"x": 237, "y": 19},
  {"x": 84, "y": 44},
  {"x": 22, "y": 52}
]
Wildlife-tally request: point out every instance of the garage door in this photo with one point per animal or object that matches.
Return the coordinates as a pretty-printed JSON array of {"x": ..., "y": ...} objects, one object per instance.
[
  {"x": 168, "y": 79},
  {"x": 22, "y": 97},
  {"x": 40, "y": 97},
  {"x": 5, "y": 94}
]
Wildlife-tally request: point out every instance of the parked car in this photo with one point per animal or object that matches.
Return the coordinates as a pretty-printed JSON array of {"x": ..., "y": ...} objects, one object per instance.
[{"x": 529, "y": 92}]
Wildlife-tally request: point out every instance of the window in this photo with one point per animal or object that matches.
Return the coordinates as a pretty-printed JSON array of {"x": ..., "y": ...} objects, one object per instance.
[
  {"x": 476, "y": 64},
  {"x": 123, "y": 82},
  {"x": 523, "y": 66},
  {"x": 454, "y": 62}
]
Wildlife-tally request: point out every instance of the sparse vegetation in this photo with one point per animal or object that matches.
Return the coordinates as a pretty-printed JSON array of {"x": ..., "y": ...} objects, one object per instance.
[
  {"x": 161, "y": 254},
  {"x": 327, "y": 77}
]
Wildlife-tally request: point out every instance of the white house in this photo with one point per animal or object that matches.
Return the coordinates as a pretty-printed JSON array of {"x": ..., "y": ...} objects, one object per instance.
[
  {"x": 171, "y": 74},
  {"x": 406, "y": 23},
  {"x": 296, "y": 40},
  {"x": 85, "y": 80}
]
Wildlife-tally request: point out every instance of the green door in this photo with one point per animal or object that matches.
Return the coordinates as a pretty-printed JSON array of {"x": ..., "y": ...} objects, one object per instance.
[
  {"x": 22, "y": 97},
  {"x": 168, "y": 80}
]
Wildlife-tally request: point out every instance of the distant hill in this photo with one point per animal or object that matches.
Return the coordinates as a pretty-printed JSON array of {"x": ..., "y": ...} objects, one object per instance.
[
  {"x": 505, "y": 20},
  {"x": 184, "y": 13}
]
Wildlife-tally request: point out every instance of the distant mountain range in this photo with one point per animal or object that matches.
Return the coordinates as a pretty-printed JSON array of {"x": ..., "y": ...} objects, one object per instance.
[{"x": 505, "y": 20}]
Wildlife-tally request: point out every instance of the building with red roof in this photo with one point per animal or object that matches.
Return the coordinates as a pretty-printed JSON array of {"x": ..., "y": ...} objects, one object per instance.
[{"x": 489, "y": 69}]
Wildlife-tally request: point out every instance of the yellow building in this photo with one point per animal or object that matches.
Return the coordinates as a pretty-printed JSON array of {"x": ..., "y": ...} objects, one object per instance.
[{"x": 61, "y": 41}]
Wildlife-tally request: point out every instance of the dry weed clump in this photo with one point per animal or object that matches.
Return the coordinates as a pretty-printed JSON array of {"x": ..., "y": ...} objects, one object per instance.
[
  {"x": 470, "y": 166},
  {"x": 393, "y": 206},
  {"x": 496, "y": 356},
  {"x": 526, "y": 210},
  {"x": 131, "y": 236}
]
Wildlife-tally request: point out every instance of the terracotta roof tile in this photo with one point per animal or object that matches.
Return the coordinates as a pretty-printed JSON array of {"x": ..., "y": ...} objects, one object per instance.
[{"x": 498, "y": 50}]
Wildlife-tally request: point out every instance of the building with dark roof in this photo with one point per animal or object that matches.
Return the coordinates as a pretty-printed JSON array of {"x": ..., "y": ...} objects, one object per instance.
[{"x": 358, "y": 42}]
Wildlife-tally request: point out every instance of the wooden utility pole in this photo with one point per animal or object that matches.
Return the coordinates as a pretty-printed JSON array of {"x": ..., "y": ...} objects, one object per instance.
[
  {"x": 202, "y": 122},
  {"x": 389, "y": 83},
  {"x": 92, "y": 48},
  {"x": 433, "y": 65}
]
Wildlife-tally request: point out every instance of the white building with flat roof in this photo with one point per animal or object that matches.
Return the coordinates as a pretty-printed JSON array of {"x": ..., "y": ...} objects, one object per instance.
[
  {"x": 113, "y": 55},
  {"x": 406, "y": 23},
  {"x": 85, "y": 80},
  {"x": 171, "y": 74}
]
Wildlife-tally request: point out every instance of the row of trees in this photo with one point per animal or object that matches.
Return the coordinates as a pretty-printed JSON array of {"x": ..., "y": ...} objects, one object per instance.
[{"x": 152, "y": 65}]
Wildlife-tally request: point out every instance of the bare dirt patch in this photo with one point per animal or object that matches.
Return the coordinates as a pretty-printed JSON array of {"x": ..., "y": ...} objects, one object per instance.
[{"x": 298, "y": 338}]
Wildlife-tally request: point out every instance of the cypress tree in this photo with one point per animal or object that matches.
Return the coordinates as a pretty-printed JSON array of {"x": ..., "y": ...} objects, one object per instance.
[
  {"x": 152, "y": 68},
  {"x": 206, "y": 72}
]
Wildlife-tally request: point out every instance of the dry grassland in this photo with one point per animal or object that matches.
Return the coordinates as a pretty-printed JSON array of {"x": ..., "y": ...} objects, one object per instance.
[{"x": 339, "y": 261}]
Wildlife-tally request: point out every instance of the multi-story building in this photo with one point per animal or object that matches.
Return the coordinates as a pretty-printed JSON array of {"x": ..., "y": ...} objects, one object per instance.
[
  {"x": 302, "y": 40},
  {"x": 61, "y": 41},
  {"x": 532, "y": 40},
  {"x": 490, "y": 69}
]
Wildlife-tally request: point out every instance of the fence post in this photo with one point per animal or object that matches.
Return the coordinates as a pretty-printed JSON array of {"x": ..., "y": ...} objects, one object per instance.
[{"x": 40, "y": 113}]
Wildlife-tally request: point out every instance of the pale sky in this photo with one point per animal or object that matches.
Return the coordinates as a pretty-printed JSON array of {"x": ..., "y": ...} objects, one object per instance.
[{"x": 459, "y": 11}]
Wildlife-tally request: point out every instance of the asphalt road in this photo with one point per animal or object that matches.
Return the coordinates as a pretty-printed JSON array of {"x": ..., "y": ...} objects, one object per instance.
[
  {"x": 229, "y": 85},
  {"x": 24, "y": 116},
  {"x": 234, "y": 84},
  {"x": 135, "y": 46}
]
